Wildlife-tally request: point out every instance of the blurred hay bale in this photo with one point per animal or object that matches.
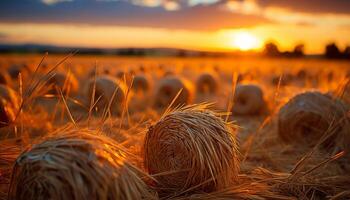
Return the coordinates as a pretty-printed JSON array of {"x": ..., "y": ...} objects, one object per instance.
[
  {"x": 108, "y": 92},
  {"x": 191, "y": 149},
  {"x": 79, "y": 165},
  {"x": 207, "y": 83},
  {"x": 248, "y": 100},
  {"x": 307, "y": 117},
  {"x": 169, "y": 87},
  {"x": 141, "y": 83},
  {"x": 5, "y": 79},
  {"x": 67, "y": 83},
  {"x": 9, "y": 105},
  {"x": 15, "y": 70}
]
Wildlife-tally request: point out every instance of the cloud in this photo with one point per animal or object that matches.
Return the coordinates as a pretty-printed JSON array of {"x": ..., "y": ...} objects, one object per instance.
[
  {"x": 310, "y": 6},
  {"x": 290, "y": 12},
  {"x": 52, "y": 2},
  {"x": 201, "y": 17}
]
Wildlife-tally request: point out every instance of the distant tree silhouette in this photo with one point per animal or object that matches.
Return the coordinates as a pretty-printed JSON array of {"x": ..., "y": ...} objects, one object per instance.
[
  {"x": 298, "y": 50},
  {"x": 332, "y": 51},
  {"x": 271, "y": 49},
  {"x": 347, "y": 52}
]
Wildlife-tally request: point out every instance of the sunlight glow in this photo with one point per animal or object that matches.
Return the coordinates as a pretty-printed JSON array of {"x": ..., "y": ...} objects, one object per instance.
[{"x": 245, "y": 41}]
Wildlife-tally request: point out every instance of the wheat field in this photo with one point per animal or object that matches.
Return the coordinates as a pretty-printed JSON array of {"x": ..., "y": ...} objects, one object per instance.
[{"x": 237, "y": 123}]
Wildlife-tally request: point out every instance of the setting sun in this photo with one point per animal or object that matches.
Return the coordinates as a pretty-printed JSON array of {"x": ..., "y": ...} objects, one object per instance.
[{"x": 245, "y": 41}]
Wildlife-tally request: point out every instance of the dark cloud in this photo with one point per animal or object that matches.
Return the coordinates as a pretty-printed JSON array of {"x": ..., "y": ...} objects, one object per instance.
[
  {"x": 121, "y": 13},
  {"x": 310, "y": 6}
]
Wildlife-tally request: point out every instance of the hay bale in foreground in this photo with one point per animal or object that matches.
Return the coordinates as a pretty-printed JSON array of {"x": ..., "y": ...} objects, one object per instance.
[
  {"x": 191, "y": 149},
  {"x": 167, "y": 90},
  {"x": 308, "y": 116},
  {"x": 248, "y": 100},
  {"x": 207, "y": 83},
  {"x": 77, "y": 165},
  {"x": 106, "y": 88},
  {"x": 67, "y": 83},
  {"x": 9, "y": 105}
]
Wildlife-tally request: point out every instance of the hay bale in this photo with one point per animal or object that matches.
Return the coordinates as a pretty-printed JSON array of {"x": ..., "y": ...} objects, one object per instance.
[
  {"x": 67, "y": 83},
  {"x": 141, "y": 83},
  {"x": 14, "y": 71},
  {"x": 207, "y": 83},
  {"x": 105, "y": 87},
  {"x": 5, "y": 78},
  {"x": 79, "y": 165},
  {"x": 248, "y": 100},
  {"x": 191, "y": 149},
  {"x": 9, "y": 105},
  {"x": 167, "y": 90},
  {"x": 308, "y": 116}
]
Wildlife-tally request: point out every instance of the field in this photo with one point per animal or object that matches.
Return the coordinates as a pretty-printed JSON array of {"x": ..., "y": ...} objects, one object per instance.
[{"x": 270, "y": 166}]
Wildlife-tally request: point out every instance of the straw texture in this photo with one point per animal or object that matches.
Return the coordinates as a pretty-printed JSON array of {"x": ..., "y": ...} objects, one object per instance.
[
  {"x": 76, "y": 165},
  {"x": 9, "y": 105},
  {"x": 191, "y": 149},
  {"x": 309, "y": 116}
]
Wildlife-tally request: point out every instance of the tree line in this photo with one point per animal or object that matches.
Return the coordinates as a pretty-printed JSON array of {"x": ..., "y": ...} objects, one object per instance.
[{"x": 331, "y": 51}]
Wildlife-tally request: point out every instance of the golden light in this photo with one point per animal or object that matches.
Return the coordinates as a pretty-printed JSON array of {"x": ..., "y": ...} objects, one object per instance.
[{"x": 245, "y": 41}]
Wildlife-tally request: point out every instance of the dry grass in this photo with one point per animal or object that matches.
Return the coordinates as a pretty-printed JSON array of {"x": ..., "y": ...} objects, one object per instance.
[{"x": 269, "y": 168}]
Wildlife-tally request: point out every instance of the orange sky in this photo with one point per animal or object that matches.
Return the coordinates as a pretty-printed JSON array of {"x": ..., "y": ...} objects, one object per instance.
[{"x": 284, "y": 26}]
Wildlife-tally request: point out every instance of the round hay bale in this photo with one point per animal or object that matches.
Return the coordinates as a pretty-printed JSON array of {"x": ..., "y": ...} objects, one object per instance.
[
  {"x": 302, "y": 74},
  {"x": 4, "y": 78},
  {"x": 105, "y": 87},
  {"x": 191, "y": 149},
  {"x": 308, "y": 116},
  {"x": 76, "y": 164},
  {"x": 14, "y": 71},
  {"x": 167, "y": 90},
  {"x": 141, "y": 83},
  {"x": 9, "y": 105},
  {"x": 207, "y": 83},
  {"x": 248, "y": 100},
  {"x": 66, "y": 82}
]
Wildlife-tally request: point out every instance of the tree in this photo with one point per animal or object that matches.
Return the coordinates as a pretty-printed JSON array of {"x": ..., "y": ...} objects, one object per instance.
[
  {"x": 299, "y": 50},
  {"x": 271, "y": 49},
  {"x": 347, "y": 52},
  {"x": 332, "y": 51}
]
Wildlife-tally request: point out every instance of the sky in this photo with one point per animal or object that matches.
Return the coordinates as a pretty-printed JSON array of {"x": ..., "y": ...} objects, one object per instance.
[{"x": 212, "y": 25}]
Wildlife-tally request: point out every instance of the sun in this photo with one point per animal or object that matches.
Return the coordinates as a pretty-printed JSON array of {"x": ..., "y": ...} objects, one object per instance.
[{"x": 245, "y": 41}]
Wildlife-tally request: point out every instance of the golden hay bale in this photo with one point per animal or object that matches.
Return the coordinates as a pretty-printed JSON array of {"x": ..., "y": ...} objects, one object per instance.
[
  {"x": 141, "y": 83},
  {"x": 308, "y": 116},
  {"x": 191, "y": 149},
  {"x": 9, "y": 105},
  {"x": 66, "y": 82},
  {"x": 248, "y": 100},
  {"x": 169, "y": 87},
  {"x": 105, "y": 88},
  {"x": 207, "y": 83},
  {"x": 78, "y": 165}
]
